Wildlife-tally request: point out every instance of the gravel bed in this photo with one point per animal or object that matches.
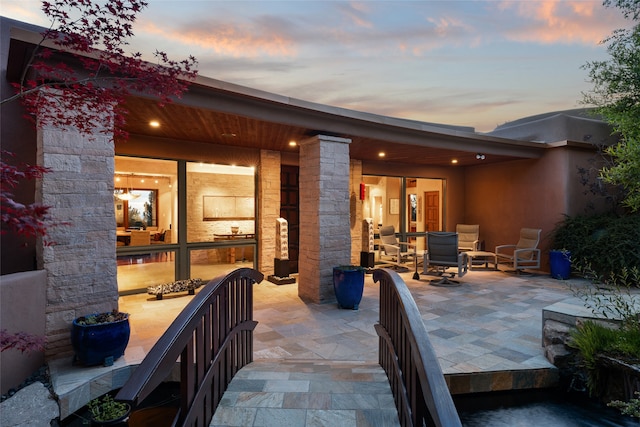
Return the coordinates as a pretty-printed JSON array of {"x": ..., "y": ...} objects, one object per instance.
[{"x": 41, "y": 375}]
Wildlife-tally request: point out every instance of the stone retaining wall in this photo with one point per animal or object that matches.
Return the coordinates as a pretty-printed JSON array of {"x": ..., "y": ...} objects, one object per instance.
[{"x": 558, "y": 322}]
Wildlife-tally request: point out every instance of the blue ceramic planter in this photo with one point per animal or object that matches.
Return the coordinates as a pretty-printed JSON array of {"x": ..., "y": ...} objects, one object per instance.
[
  {"x": 101, "y": 343},
  {"x": 560, "y": 264},
  {"x": 348, "y": 284}
]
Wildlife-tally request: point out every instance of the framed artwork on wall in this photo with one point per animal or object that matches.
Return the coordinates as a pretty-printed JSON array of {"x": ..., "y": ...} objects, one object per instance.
[{"x": 394, "y": 206}]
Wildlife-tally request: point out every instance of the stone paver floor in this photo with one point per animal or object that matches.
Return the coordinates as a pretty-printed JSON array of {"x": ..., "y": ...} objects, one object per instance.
[{"x": 490, "y": 325}]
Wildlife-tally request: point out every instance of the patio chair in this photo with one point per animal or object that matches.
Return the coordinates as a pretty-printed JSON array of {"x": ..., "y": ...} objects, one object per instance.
[
  {"x": 524, "y": 254},
  {"x": 442, "y": 254},
  {"x": 468, "y": 237},
  {"x": 392, "y": 251}
]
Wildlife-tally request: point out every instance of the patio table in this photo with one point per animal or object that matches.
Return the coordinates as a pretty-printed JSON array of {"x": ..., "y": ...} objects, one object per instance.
[{"x": 482, "y": 257}]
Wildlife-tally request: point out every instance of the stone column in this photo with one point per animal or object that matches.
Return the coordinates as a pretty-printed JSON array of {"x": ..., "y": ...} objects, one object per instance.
[
  {"x": 80, "y": 261},
  {"x": 325, "y": 239},
  {"x": 268, "y": 208}
]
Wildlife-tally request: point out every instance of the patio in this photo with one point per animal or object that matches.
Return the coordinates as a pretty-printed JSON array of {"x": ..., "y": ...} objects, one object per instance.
[{"x": 486, "y": 333}]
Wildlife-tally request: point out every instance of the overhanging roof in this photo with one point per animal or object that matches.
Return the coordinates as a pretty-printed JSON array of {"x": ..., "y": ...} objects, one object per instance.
[
  {"x": 221, "y": 113},
  {"x": 212, "y": 111}
]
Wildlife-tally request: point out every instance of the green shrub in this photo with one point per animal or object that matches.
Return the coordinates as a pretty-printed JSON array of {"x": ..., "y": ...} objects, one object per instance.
[
  {"x": 615, "y": 298},
  {"x": 594, "y": 340},
  {"x": 631, "y": 408},
  {"x": 107, "y": 409},
  {"x": 606, "y": 243}
]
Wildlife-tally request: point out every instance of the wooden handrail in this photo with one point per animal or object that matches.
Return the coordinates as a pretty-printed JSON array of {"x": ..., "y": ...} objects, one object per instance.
[
  {"x": 407, "y": 356},
  {"x": 212, "y": 338}
]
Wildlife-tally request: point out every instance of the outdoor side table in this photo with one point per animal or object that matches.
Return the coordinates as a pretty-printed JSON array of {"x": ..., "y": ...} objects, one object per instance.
[{"x": 482, "y": 257}]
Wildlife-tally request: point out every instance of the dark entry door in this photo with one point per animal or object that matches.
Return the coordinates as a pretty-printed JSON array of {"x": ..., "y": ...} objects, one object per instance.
[
  {"x": 432, "y": 210},
  {"x": 289, "y": 210}
]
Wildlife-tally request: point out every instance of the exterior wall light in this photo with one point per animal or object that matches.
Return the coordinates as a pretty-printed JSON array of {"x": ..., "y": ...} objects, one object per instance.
[{"x": 480, "y": 156}]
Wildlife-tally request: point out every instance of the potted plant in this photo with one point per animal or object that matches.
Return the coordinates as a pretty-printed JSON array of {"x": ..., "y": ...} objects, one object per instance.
[
  {"x": 106, "y": 411},
  {"x": 348, "y": 285},
  {"x": 560, "y": 263},
  {"x": 100, "y": 338}
]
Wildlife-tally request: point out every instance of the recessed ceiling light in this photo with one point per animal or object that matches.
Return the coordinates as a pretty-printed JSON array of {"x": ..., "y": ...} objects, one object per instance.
[
  {"x": 292, "y": 143},
  {"x": 381, "y": 154},
  {"x": 154, "y": 124},
  {"x": 454, "y": 161}
]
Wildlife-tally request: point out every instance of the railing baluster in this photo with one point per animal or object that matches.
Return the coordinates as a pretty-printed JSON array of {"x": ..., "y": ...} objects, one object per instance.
[
  {"x": 420, "y": 392},
  {"x": 212, "y": 338}
]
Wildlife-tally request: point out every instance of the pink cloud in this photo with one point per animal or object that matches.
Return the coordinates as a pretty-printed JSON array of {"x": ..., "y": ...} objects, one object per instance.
[
  {"x": 560, "y": 21},
  {"x": 227, "y": 39},
  {"x": 356, "y": 12}
]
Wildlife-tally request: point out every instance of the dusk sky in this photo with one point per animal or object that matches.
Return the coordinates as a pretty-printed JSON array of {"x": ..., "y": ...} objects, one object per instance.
[{"x": 470, "y": 63}]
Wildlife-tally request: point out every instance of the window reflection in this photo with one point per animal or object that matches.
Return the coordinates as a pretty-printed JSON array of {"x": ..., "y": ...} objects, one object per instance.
[{"x": 137, "y": 212}]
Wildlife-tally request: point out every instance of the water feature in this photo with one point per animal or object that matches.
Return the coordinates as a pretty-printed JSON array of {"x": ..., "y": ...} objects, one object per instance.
[{"x": 548, "y": 409}]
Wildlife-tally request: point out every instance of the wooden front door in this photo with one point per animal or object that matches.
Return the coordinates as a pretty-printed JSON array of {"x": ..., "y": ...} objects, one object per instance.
[
  {"x": 289, "y": 210},
  {"x": 432, "y": 210}
]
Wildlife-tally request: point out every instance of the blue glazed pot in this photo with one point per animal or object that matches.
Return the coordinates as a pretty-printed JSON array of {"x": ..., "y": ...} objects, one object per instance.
[
  {"x": 560, "y": 264},
  {"x": 348, "y": 284},
  {"x": 99, "y": 343}
]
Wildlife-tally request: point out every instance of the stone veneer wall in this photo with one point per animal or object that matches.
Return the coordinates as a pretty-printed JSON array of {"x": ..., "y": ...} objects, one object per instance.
[
  {"x": 268, "y": 208},
  {"x": 355, "y": 216},
  {"x": 325, "y": 240},
  {"x": 81, "y": 265}
]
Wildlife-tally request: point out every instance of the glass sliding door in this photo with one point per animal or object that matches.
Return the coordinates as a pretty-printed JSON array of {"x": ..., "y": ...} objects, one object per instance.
[
  {"x": 411, "y": 205},
  {"x": 220, "y": 212},
  {"x": 145, "y": 205}
]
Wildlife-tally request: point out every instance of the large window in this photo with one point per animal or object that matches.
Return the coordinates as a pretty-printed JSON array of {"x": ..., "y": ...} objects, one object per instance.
[
  {"x": 220, "y": 202},
  {"x": 217, "y": 210}
]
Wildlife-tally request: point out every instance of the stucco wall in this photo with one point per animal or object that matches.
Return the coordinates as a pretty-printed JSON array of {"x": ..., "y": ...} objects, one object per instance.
[
  {"x": 22, "y": 305},
  {"x": 537, "y": 193},
  {"x": 579, "y": 199},
  {"x": 18, "y": 136}
]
